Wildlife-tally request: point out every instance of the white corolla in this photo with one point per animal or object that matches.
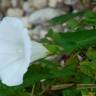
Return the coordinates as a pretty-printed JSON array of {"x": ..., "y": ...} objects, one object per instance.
[{"x": 17, "y": 51}]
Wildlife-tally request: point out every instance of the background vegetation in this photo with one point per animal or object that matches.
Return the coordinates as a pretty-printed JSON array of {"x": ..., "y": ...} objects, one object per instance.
[{"x": 76, "y": 76}]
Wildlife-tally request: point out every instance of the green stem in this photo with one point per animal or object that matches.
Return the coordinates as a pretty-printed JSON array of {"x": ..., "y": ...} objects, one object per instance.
[{"x": 33, "y": 89}]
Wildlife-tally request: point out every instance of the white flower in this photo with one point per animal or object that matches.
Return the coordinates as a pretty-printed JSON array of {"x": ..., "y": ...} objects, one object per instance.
[{"x": 16, "y": 51}]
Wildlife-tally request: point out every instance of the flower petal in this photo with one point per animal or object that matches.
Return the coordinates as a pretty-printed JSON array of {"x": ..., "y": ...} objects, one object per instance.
[
  {"x": 38, "y": 51},
  {"x": 13, "y": 74},
  {"x": 15, "y": 51}
]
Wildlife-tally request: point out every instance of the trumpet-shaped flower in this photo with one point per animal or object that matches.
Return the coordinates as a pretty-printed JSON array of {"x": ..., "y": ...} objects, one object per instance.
[{"x": 17, "y": 51}]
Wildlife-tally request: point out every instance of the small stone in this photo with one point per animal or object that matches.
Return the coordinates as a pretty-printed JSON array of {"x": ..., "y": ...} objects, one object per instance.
[
  {"x": 80, "y": 58},
  {"x": 43, "y": 33},
  {"x": 94, "y": 9},
  {"x": 66, "y": 29},
  {"x": 37, "y": 4},
  {"x": 26, "y": 7},
  {"x": 26, "y": 22},
  {"x": 70, "y": 2},
  {"x": 16, "y": 3},
  {"x": 15, "y": 12},
  {"x": 57, "y": 28},
  {"x": 52, "y": 3},
  {"x": 44, "y": 15},
  {"x": 53, "y": 57},
  {"x": 62, "y": 63},
  {"x": 82, "y": 6},
  {"x": 38, "y": 33},
  {"x": 6, "y": 3}
]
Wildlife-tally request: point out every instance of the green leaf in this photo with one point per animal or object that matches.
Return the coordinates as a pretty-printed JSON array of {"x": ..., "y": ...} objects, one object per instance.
[
  {"x": 83, "y": 78},
  {"x": 74, "y": 40},
  {"x": 89, "y": 18},
  {"x": 64, "y": 18},
  {"x": 12, "y": 91},
  {"x": 85, "y": 92},
  {"x": 91, "y": 54},
  {"x": 48, "y": 64},
  {"x": 54, "y": 49},
  {"x": 46, "y": 70},
  {"x": 88, "y": 68},
  {"x": 72, "y": 60},
  {"x": 72, "y": 24},
  {"x": 66, "y": 72},
  {"x": 93, "y": 1},
  {"x": 71, "y": 92},
  {"x": 35, "y": 74}
]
